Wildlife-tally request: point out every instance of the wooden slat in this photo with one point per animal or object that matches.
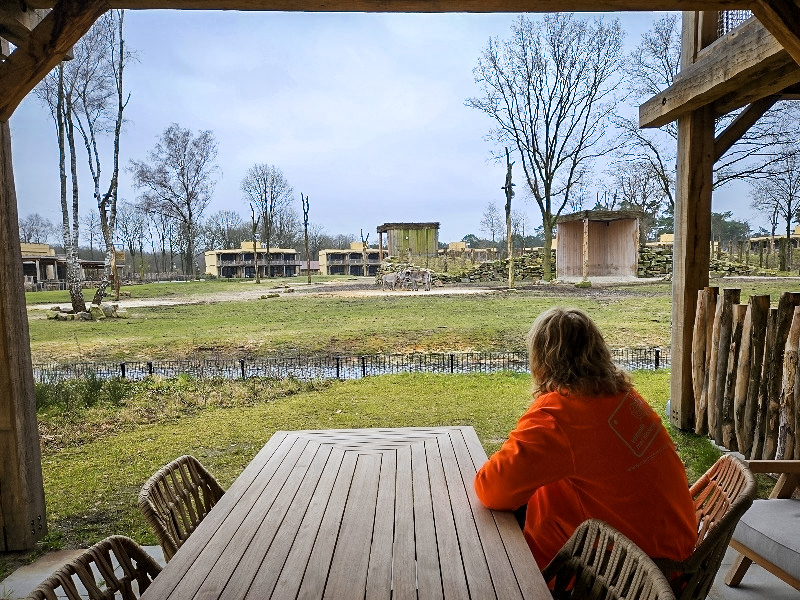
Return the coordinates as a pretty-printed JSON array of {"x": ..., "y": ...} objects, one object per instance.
[
  {"x": 316, "y": 574},
  {"x": 264, "y": 556},
  {"x": 476, "y": 569},
  {"x": 763, "y": 395},
  {"x": 728, "y": 429},
  {"x": 404, "y": 577},
  {"x": 759, "y": 313},
  {"x": 351, "y": 556},
  {"x": 429, "y": 578},
  {"x": 379, "y": 571}
]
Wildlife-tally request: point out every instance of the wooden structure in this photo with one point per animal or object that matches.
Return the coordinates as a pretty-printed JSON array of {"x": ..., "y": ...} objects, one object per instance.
[
  {"x": 750, "y": 67},
  {"x": 417, "y": 239},
  {"x": 364, "y": 513},
  {"x": 594, "y": 243}
]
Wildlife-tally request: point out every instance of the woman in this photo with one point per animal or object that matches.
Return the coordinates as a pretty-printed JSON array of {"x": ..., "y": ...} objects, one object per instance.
[{"x": 588, "y": 447}]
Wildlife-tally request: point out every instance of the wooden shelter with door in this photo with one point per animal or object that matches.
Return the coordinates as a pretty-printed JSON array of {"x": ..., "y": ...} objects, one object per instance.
[
  {"x": 598, "y": 243},
  {"x": 746, "y": 66}
]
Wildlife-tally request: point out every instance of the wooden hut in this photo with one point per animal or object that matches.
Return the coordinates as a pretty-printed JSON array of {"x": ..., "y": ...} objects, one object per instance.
[
  {"x": 749, "y": 67},
  {"x": 598, "y": 243}
]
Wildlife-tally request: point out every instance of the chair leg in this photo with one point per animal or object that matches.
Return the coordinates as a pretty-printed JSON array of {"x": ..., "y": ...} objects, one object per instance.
[{"x": 739, "y": 567}]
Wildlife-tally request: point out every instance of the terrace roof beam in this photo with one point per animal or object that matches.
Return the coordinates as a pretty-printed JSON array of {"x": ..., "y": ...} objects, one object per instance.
[
  {"x": 745, "y": 65},
  {"x": 782, "y": 19}
]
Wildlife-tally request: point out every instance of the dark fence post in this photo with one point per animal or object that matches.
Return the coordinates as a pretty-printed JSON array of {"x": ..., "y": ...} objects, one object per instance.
[
  {"x": 363, "y": 366},
  {"x": 657, "y": 357},
  {"x": 122, "y": 369},
  {"x": 452, "y": 362},
  {"x": 338, "y": 366},
  {"x": 241, "y": 367}
]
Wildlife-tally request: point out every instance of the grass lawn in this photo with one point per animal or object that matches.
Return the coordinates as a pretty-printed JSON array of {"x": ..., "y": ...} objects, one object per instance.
[
  {"x": 316, "y": 324},
  {"x": 96, "y": 458}
]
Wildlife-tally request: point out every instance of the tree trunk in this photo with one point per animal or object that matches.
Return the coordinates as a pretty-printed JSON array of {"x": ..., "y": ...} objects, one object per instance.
[
  {"x": 723, "y": 343},
  {"x": 786, "y": 306},
  {"x": 728, "y": 429},
  {"x": 751, "y": 357},
  {"x": 786, "y": 432},
  {"x": 547, "y": 263}
]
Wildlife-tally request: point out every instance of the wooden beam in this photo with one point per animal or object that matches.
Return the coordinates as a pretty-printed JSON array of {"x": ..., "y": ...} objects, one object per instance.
[
  {"x": 746, "y": 64},
  {"x": 744, "y": 121},
  {"x": 47, "y": 45},
  {"x": 782, "y": 19},
  {"x": 691, "y": 251},
  {"x": 16, "y": 24},
  {"x": 477, "y": 6},
  {"x": 22, "y": 509}
]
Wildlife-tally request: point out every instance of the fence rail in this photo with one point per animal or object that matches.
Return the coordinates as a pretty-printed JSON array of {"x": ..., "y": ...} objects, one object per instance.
[{"x": 328, "y": 367}]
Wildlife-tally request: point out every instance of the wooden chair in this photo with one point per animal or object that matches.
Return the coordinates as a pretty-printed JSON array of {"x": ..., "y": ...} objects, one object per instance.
[
  {"x": 114, "y": 567},
  {"x": 769, "y": 533},
  {"x": 720, "y": 496},
  {"x": 598, "y": 562},
  {"x": 176, "y": 499}
]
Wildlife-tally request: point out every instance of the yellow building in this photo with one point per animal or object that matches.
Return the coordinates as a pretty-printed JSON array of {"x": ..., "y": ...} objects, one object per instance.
[
  {"x": 241, "y": 262},
  {"x": 349, "y": 262}
]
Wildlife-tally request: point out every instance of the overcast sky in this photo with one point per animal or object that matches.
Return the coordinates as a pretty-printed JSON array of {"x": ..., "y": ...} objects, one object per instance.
[{"x": 364, "y": 113}]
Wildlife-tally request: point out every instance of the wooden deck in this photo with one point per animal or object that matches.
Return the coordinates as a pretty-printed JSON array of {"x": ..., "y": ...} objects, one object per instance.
[{"x": 369, "y": 513}]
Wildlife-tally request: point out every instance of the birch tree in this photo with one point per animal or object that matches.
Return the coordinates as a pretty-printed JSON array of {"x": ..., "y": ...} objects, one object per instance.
[
  {"x": 550, "y": 88},
  {"x": 177, "y": 181}
]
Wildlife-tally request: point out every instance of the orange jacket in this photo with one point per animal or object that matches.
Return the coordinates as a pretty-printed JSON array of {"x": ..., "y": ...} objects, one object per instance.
[{"x": 572, "y": 458}]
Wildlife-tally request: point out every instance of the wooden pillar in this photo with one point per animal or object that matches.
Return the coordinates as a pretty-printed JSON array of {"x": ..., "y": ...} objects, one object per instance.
[
  {"x": 22, "y": 511},
  {"x": 691, "y": 256},
  {"x": 586, "y": 248},
  {"x": 380, "y": 246}
]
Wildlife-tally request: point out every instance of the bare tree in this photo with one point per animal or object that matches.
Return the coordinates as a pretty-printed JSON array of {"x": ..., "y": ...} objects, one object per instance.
[
  {"x": 224, "y": 230},
  {"x": 266, "y": 187},
  {"x": 131, "y": 225},
  {"x": 255, "y": 217},
  {"x": 637, "y": 187},
  {"x": 304, "y": 202},
  {"x": 177, "y": 181},
  {"x": 550, "y": 89},
  {"x": 651, "y": 68},
  {"x": 780, "y": 194},
  {"x": 491, "y": 222},
  {"x": 92, "y": 230},
  {"x": 508, "y": 188},
  {"x": 35, "y": 229}
]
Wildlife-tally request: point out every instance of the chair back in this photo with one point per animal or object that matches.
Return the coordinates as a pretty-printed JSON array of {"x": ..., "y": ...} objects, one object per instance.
[
  {"x": 176, "y": 499},
  {"x": 721, "y": 496},
  {"x": 598, "y": 562},
  {"x": 114, "y": 567}
]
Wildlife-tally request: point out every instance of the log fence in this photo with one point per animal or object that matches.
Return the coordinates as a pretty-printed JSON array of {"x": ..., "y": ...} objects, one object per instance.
[{"x": 745, "y": 372}]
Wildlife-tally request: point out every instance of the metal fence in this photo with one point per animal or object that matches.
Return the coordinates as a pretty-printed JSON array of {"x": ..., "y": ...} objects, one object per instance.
[{"x": 328, "y": 367}]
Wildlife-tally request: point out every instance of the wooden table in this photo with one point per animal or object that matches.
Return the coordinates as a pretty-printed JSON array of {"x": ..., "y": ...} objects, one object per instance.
[{"x": 366, "y": 513}]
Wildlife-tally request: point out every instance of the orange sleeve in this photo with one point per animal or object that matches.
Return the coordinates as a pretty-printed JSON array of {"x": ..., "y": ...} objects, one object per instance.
[{"x": 536, "y": 453}]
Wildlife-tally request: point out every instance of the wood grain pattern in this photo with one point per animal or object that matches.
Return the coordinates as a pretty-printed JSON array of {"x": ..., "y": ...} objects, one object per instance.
[{"x": 374, "y": 513}]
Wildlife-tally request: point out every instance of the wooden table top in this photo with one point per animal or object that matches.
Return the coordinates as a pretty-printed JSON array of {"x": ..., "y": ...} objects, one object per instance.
[{"x": 365, "y": 513}]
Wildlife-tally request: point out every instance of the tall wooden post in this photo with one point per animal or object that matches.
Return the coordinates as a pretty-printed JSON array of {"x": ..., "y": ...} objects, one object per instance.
[
  {"x": 22, "y": 511},
  {"x": 691, "y": 255}
]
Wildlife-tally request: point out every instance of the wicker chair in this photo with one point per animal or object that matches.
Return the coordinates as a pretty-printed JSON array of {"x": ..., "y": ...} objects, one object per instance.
[
  {"x": 115, "y": 567},
  {"x": 598, "y": 562},
  {"x": 721, "y": 496},
  {"x": 176, "y": 499}
]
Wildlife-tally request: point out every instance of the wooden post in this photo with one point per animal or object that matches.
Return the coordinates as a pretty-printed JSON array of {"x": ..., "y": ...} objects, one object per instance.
[
  {"x": 586, "y": 248},
  {"x": 761, "y": 403},
  {"x": 22, "y": 510},
  {"x": 786, "y": 306},
  {"x": 701, "y": 354},
  {"x": 786, "y": 431},
  {"x": 721, "y": 349},
  {"x": 751, "y": 357},
  {"x": 692, "y": 222},
  {"x": 726, "y": 418}
]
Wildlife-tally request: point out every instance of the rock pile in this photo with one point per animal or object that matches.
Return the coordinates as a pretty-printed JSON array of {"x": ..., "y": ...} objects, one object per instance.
[{"x": 96, "y": 312}]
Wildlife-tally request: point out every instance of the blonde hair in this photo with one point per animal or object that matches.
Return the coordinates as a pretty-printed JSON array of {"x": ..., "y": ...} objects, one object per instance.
[{"x": 567, "y": 354}]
